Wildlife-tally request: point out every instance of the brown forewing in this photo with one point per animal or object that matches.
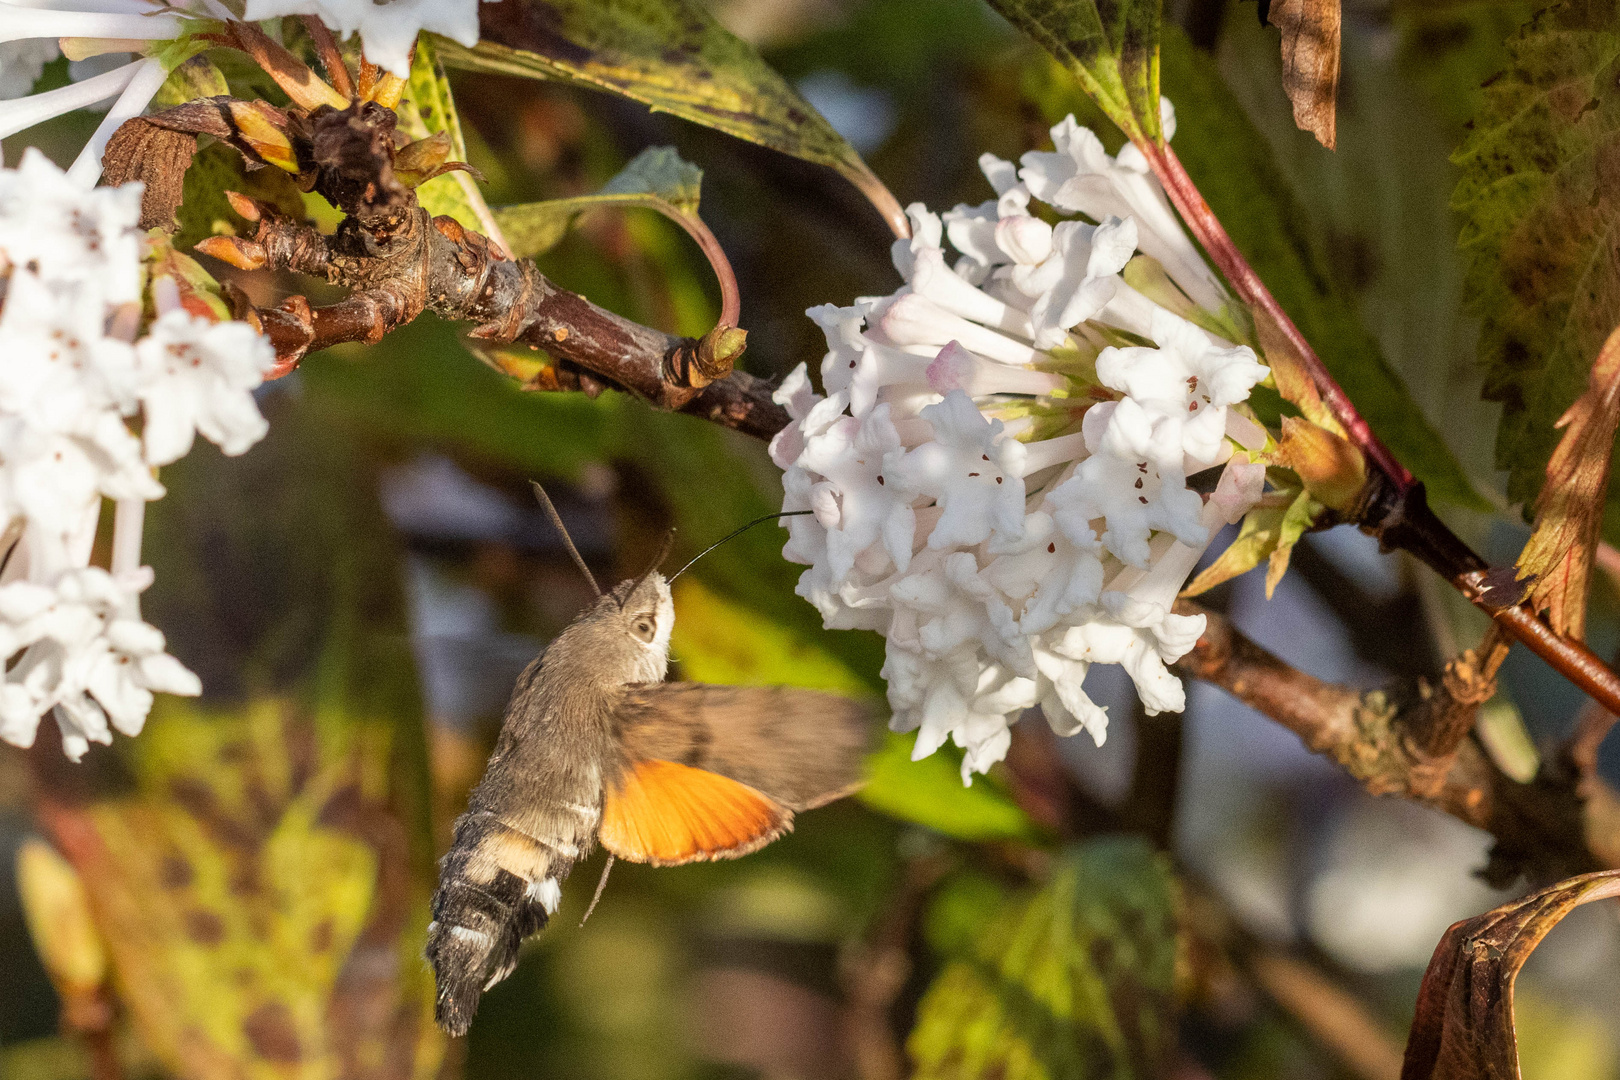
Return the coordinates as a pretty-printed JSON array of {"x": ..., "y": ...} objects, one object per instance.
[{"x": 801, "y": 747}]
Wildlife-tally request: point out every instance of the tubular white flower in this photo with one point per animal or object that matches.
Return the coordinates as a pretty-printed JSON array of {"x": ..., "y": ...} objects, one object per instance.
[
  {"x": 199, "y": 376},
  {"x": 71, "y": 633},
  {"x": 972, "y": 489},
  {"x": 144, "y": 84},
  {"x": 1185, "y": 384},
  {"x": 1080, "y": 177},
  {"x": 29, "y": 32}
]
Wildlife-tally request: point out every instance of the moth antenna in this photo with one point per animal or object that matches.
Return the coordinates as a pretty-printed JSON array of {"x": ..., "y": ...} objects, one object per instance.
[
  {"x": 568, "y": 541},
  {"x": 736, "y": 533},
  {"x": 601, "y": 883},
  {"x": 663, "y": 553}
]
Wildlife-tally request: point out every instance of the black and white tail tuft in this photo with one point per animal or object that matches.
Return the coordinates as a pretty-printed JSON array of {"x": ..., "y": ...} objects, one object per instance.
[{"x": 483, "y": 910}]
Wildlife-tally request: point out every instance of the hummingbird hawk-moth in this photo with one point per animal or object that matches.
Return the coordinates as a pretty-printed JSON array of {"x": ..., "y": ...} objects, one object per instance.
[{"x": 596, "y": 747}]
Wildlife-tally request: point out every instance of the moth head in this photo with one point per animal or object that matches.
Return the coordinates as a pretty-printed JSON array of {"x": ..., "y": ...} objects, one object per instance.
[{"x": 641, "y": 615}]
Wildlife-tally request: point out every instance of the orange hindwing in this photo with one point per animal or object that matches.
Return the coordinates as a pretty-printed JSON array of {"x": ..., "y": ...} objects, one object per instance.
[{"x": 665, "y": 813}]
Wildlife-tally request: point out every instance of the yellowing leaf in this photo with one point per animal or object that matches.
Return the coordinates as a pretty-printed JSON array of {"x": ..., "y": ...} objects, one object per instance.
[
  {"x": 1298, "y": 518},
  {"x": 1269, "y": 532},
  {"x": 57, "y": 910},
  {"x": 671, "y": 56},
  {"x": 1569, "y": 509},
  {"x": 1257, "y": 539},
  {"x": 233, "y": 886},
  {"x": 428, "y": 109}
]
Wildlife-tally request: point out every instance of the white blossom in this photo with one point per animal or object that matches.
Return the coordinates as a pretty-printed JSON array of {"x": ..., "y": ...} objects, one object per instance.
[
  {"x": 197, "y": 375},
  {"x": 77, "y": 375},
  {"x": 995, "y": 487},
  {"x": 1080, "y": 177}
]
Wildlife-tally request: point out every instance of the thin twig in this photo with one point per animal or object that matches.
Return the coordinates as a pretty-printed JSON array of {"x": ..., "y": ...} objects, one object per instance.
[{"x": 1332, "y": 1015}]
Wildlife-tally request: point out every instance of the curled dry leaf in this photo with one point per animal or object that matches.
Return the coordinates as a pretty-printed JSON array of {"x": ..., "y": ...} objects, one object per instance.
[
  {"x": 1310, "y": 58},
  {"x": 1569, "y": 509},
  {"x": 1463, "y": 1029}
]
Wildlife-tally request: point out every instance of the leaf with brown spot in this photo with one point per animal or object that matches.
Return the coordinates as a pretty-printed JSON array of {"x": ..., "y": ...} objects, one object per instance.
[
  {"x": 1569, "y": 509},
  {"x": 256, "y": 861},
  {"x": 1539, "y": 195},
  {"x": 1310, "y": 62},
  {"x": 672, "y": 56},
  {"x": 1463, "y": 1029}
]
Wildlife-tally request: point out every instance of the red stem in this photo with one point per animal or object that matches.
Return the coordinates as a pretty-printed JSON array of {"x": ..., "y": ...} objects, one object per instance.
[
  {"x": 730, "y": 297},
  {"x": 1189, "y": 202}
]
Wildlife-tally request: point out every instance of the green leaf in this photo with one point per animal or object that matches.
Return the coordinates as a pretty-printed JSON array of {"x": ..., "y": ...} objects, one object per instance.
[
  {"x": 1110, "y": 46},
  {"x": 427, "y": 109},
  {"x": 671, "y": 56},
  {"x": 198, "y": 77},
  {"x": 656, "y": 178},
  {"x": 930, "y": 793},
  {"x": 1256, "y": 540},
  {"x": 1075, "y": 982},
  {"x": 1234, "y": 168},
  {"x": 1295, "y": 521},
  {"x": 660, "y": 172},
  {"x": 1540, "y": 192}
]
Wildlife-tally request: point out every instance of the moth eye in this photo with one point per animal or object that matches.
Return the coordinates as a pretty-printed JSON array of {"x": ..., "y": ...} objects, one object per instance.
[{"x": 644, "y": 628}]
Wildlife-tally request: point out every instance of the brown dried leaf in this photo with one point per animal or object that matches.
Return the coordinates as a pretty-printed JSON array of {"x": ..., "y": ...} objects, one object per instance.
[
  {"x": 1569, "y": 509},
  {"x": 1463, "y": 1029},
  {"x": 156, "y": 156},
  {"x": 1310, "y": 56}
]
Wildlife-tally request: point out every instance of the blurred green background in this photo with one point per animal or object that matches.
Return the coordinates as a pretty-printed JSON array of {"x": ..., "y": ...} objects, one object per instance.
[{"x": 360, "y": 590}]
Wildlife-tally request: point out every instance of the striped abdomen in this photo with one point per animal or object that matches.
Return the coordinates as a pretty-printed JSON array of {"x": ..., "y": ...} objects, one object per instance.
[{"x": 498, "y": 885}]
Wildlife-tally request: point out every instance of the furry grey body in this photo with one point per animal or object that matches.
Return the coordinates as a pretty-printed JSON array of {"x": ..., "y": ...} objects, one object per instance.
[{"x": 537, "y": 809}]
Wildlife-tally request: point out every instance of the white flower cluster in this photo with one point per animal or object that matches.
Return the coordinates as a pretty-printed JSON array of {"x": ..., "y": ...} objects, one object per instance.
[
  {"x": 998, "y": 475},
  {"x": 74, "y": 374},
  {"x": 31, "y": 29}
]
